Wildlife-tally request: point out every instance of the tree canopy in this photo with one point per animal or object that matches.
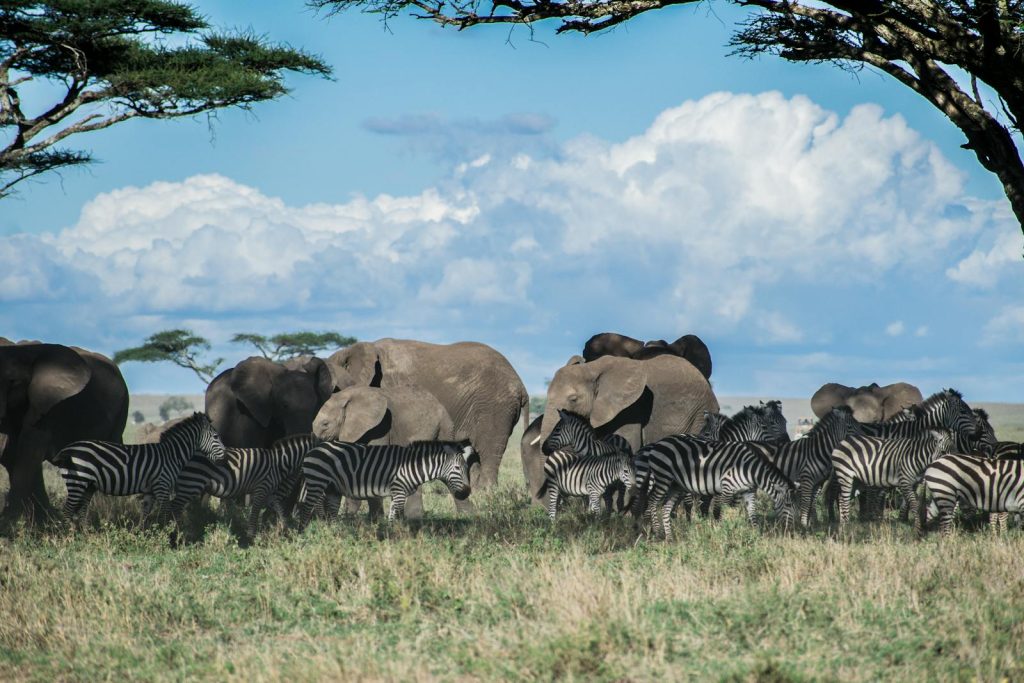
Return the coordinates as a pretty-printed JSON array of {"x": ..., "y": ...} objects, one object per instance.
[
  {"x": 965, "y": 57},
  {"x": 108, "y": 61},
  {"x": 180, "y": 347},
  {"x": 291, "y": 344}
]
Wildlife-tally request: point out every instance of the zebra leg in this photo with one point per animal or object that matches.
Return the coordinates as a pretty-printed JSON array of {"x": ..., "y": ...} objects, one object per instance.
[
  {"x": 376, "y": 507},
  {"x": 666, "y": 517},
  {"x": 594, "y": 495},
  {"x": 77, "y": 503},
  {"x": 749, "y": 502},
  {"x": 945, "y": 515},
  {"x": 831, "y": 498},
  {"x": 552, "y": 499},
  {"x": 807, "y": 495},
  {"x": 845, "y": 493},
  {"x": 688, "y": 500},
  {"x": 398, "y": 498},
  {"x": 998, "y": 521},
  {"x": 910, "y": 501}
]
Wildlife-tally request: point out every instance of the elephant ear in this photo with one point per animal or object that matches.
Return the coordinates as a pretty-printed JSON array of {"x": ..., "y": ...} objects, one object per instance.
[
  {"x": 322, "y": 379},
  {"x": 357, "y": 365},
  {"x": 58, "y": 373},
  {"x": 364, "y": 413},
  {"x": 618, "y": 387},
  {"x": 252, "y": 382}
]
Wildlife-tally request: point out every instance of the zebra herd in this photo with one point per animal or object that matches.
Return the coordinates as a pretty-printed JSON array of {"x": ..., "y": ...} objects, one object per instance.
[
  {"x": 190, "y": 460},
  {"x": 941, "y": 443}
]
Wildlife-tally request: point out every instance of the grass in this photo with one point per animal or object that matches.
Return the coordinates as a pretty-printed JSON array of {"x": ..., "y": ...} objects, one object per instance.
[{"x": 505, "y": 594}]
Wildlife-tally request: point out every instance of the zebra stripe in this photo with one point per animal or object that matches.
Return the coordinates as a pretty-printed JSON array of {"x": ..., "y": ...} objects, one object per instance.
[
  {"x": 979, "y": 438},
  {"x": 752, "y": 423},
  {"x": 1008, "y": 449},
  {"x": 365, "y": 472},
  {"x": 574, "y": 431},
  {"x": 878, "y": 462},
  {"x": 567, "y": 473},
  {"x": 690, "y": 464},
  {"x": 995, "y": 486},
  {"x": 265, "y": 474},
  {"x": 125, "y": 469}
]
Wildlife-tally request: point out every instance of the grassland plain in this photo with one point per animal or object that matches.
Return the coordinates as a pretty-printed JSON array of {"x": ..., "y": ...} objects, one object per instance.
[{"x": 505, "y": 594}]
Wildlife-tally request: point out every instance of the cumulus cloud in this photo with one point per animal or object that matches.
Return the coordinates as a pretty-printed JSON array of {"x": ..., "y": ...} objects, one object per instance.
[
  {"x": 708, "y": 221},
  {"x": 895, "y": 328},
  {"x": 984, "y": 267},
  {"x": 1005, "y": 328}
]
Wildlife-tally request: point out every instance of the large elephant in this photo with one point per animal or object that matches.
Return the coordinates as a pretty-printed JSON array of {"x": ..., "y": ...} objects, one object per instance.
[
  {"x": 533, "y": 460},
  {"x": 870, "y": 404},
  {"x": 260, "y": 401},
  {"x": 643, "y": 401},
  {"x": 393, "y": 416},
  {"x": 610, "y": 344},
  {"x": 50, "y": 396},
  {"x": 476, "y": 385}
]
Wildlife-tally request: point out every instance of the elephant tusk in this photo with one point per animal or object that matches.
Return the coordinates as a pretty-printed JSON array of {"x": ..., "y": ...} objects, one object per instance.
[{"x": 534, "y": 442}]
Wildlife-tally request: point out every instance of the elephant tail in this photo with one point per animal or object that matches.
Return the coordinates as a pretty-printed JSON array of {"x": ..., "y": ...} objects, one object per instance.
[{"x": 525, "y": 413}]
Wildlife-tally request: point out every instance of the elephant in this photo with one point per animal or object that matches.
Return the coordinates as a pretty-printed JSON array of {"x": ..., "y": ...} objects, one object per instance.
[
  {"x": 377, "y": 416},
  {"x": 259, "y": 401},
  {"x": 689, "y": 346},
  {"x": 642, "y": 401},
  {"x": 533, "y": 460},
  {"x": 475, "y": 384},
  {"x": 610, "y": 344},
  {"x": 50, "y": 396},
  {"x": 870, "y": 404}
]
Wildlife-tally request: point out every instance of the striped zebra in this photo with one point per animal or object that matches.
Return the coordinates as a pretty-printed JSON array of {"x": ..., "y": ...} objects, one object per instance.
[
  {"x": 991, "y": 485},
  {"x": 978, "y": 438},
  {"x": 125, "y": 469},
  {"x": 947, "y": 409},
  {"x": 1008, "y": 449},
  {"x": 567, "y": 473},
  {"x": 365, "y": 472},
  {"x": 267, "y": 475},
  {"x": 807, "y": 461},
  {"x": 573, "y": 431},
  {"x": 752, "y": 423},
  {"x": 878, "y": 462},
  {"x": 686, "y": 463}
]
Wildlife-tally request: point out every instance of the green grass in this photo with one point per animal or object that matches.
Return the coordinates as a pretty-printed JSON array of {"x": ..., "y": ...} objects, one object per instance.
[{"x": 504, "y": 594}]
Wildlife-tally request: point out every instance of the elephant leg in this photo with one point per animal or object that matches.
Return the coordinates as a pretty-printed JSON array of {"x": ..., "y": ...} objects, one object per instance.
[
  {"x": 414, "y": 504},
  {"x": 376, "y": 507},
  {"x": 27, "y": 495}
]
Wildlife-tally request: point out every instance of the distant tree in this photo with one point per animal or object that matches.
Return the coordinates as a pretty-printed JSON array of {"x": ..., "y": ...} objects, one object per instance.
[
  {"x": 138, "y": 417},
  {"x": 175, "y": 405},
  {"x": 106, "y": 61},
  {"x": 291, "y": 344},
  {"x": 940, "y": 49},
  {"x": 180, "y": 347}
]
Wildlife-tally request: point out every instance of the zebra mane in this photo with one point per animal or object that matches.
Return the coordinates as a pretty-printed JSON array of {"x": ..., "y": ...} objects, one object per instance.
[
  {"x": 177, "y": 428},
  {"x": 940, "y": 397},
  {"x": 570, "y": 416},
  {"x": 747, "y": 413},
  {"x": 821, "y": 425},
  {"x": 286, "y": 441},
  {"x": 981, "y": 413}
]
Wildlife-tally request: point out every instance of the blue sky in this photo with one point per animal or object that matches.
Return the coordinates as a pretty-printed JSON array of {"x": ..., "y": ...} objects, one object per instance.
[{"x": 809, "y": 224}]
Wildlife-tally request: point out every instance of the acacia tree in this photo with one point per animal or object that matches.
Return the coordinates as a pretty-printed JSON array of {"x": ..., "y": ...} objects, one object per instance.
[
  {"x": 107, "y": 61},
  {"x": 941, "y": 49},
  {"x": 181, "y": 347},
  {"x": 291, "y": 344}
]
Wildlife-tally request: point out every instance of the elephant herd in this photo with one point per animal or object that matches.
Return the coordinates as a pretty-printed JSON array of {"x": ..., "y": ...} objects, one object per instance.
[{"x": 387, "y": 392}]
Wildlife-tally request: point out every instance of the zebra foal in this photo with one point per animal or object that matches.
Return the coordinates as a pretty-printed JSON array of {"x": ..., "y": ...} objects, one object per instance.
[
  {"x": 366, "y": 472},
  {"x": 878, "y": 462},
  {"x": 573, "y": 431},
  {"x": 567, "y": 473},
  {"x": 265, "y": 474},
  {"x": 125, "y": 469}
]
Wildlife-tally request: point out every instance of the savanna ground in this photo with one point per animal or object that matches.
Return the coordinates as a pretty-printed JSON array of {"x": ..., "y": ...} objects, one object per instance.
[{"x": 506, "y": 594}]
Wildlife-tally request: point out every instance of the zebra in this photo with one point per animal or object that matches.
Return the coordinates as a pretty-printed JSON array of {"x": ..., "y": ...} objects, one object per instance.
[
  {"x": 364, "y": 472},
  {"x": 267, "y": 475},
  {"x": 807, "y": 461},
  {"x": 574, "y": 431},
  {"x": 946, "y": 409},
  {"x": 752, "y": 423},
  {"x": 1008, "y": 449},
  {"x": 992, "y": 485},
  {"x": 878, "y": 462},
  {"x": 691, "y": 464},
  {"x": 979, "y": 438},
  {"x": 125, "y": 469},
  {"x": 567, "y": 473}
]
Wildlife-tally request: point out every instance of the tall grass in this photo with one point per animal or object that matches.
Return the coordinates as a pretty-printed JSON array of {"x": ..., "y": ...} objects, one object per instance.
[{"x": 506, "y": 594}]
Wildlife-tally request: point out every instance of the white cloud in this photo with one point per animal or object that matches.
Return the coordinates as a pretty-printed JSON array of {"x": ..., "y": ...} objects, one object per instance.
[
  {"x": 983, "y": 267},
  {"x": 895, "y": 328},
  {"x": 743, "y": 217},
  {"x": 921, "y": 331},
  {"x": 1005, "y": 328}
]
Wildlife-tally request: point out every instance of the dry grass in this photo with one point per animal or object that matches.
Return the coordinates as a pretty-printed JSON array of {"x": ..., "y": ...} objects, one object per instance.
[{"x": 504, "y": 594}]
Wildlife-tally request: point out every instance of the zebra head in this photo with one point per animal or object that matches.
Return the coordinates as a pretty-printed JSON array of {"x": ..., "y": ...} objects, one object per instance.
[
  {"x": 942, "y": 443},
  {"x": 458, "y": 457},
  {"x": 773, "y": 422},
  {"x": 627, "y": 475},
  {"x": 985, "y": 440},
  {"x": 570, "y": 430},
  {"x": 208, "y": 443},
  {"x": 713, "y": 423}
]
